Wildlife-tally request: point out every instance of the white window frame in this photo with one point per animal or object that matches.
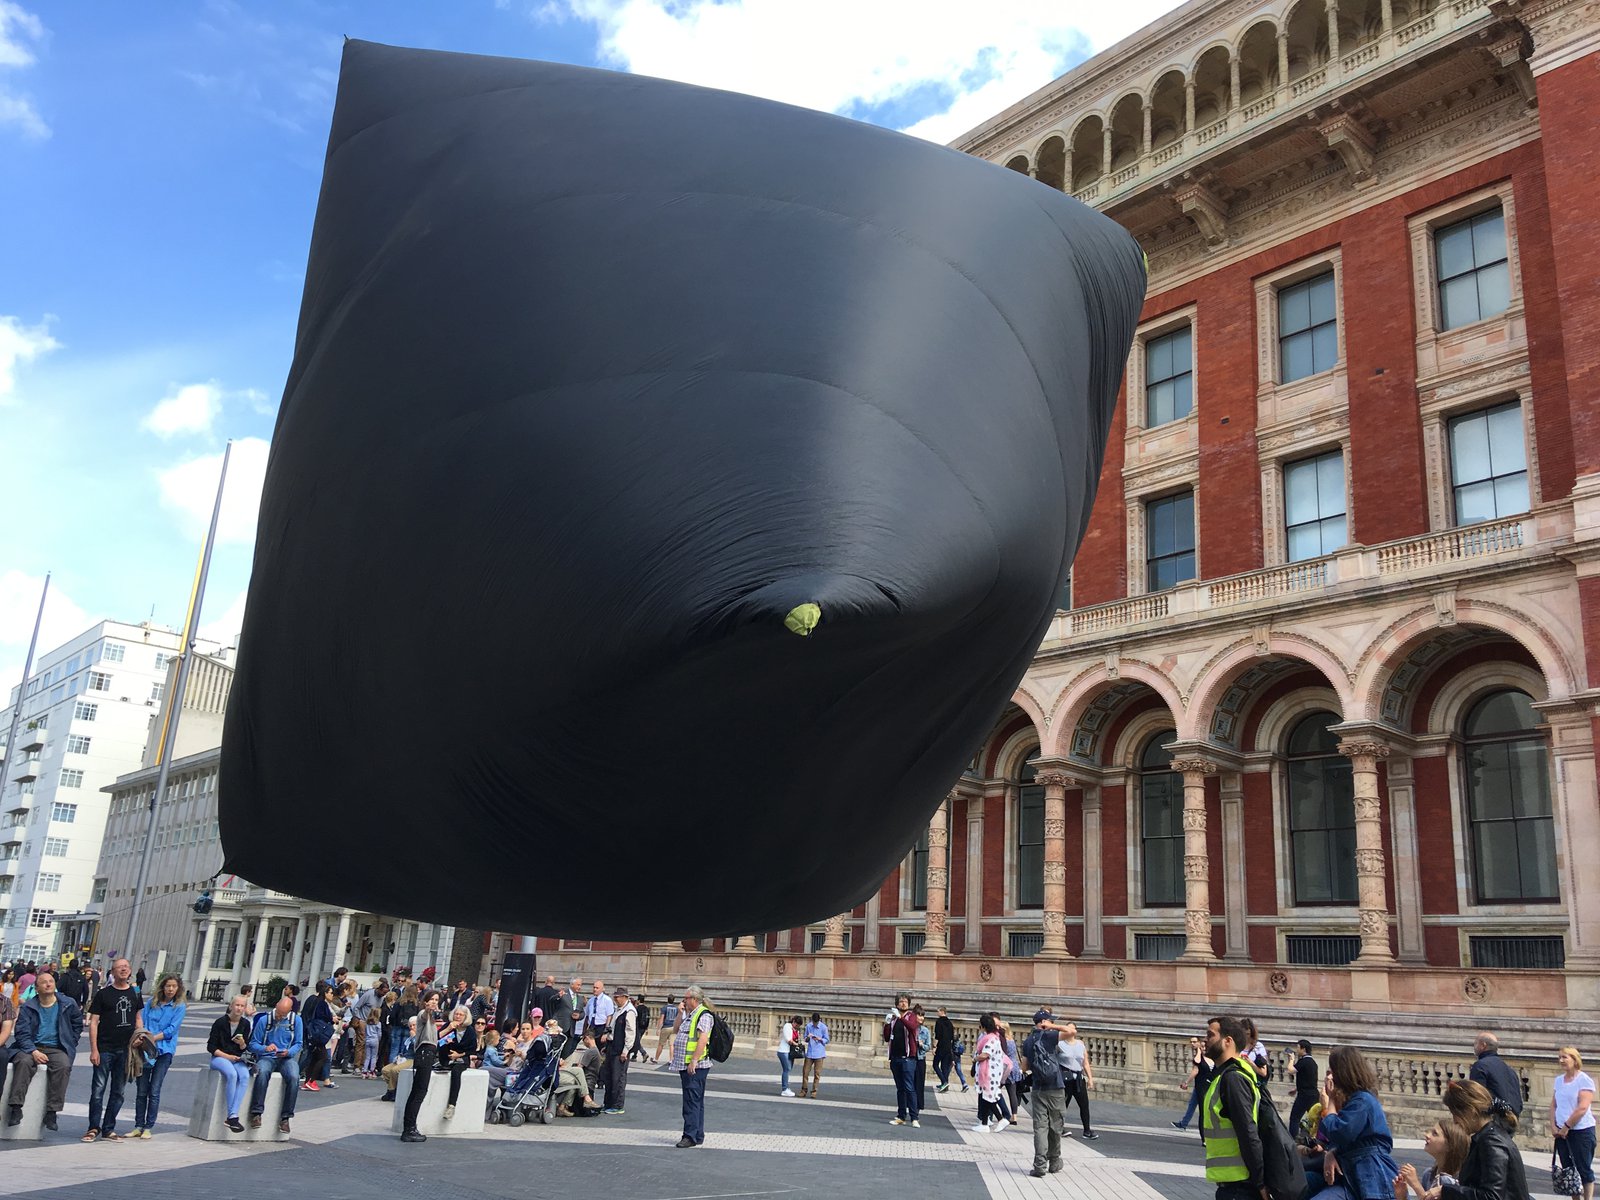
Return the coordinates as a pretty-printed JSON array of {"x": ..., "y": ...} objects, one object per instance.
[
  {"x": 1443, "y": 405},
  {"x": 1268, "y": 368},
  {"x": 1160, "y": 327},
  {"x": 113, "y": 652},
  {"x": 99, "y": 681},
  {"x": 79, "y": 713},
  {"x": 70, "y": 778},
  {"x": 63, "y": 811},
  {"x": 1425, "y": 281}
]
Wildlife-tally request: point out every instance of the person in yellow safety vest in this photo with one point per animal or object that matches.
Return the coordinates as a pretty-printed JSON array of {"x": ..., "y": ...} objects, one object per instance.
[
  {"x": 1228, "y": 1116},
  {"x": 691, "y": 1059}
]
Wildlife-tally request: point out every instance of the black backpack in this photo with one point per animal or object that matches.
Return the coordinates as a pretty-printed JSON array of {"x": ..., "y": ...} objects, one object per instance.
[
  {"x": 1282, "y": 1168},
  {"x": 1044, "y": 1066},
  {"x": 720, "y": 1044}
]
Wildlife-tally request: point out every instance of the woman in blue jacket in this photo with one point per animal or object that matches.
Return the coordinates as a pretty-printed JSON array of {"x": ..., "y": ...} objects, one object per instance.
[
  {"x": 1354, "y": 1131},
  {"x": 162, "y": 1020}
]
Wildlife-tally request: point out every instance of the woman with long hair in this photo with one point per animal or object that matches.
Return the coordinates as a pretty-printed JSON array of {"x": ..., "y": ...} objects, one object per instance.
[
  {"x": 316, "y": 1015},
  {"x": 1446, "y": 1143},
  {"x": 422, "y": 1063},
  {"x": 162, "y": 1020},
  {"x": 991, "y": 1070},
  {"x": 1354, "y": 1129},
  {"x": 1572, "y": 1117},
  {"x": 1493, "y": 1168},
  {"x": 229, "y": 1040}
]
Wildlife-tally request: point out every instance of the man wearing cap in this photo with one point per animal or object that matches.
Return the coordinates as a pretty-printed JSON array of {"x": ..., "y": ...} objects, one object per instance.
[
  {"x": 1047, "y": 1095},
  {"x": 618, "y": 1035}
]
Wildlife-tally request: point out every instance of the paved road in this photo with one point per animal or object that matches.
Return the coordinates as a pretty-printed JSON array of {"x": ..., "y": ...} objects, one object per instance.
[{"x": 758, "y": 1144}]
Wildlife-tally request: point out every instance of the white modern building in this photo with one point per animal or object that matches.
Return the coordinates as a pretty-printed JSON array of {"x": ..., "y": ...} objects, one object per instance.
[
  {"x": 87, "y": 717},
  {"x": 251, "y": 933}
]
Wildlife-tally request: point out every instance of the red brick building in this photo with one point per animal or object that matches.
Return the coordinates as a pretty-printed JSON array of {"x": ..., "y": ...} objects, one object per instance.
[{"x": 1318, "y": 716}]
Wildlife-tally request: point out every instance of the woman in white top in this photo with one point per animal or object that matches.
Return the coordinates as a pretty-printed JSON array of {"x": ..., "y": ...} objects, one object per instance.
[
  {"x": 785, "y": 1045},
  {"x": 1572, "y": 1117}
]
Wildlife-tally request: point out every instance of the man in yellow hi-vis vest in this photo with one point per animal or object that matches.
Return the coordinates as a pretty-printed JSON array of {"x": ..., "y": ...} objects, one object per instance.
[
  {"x": 1228, "y": 1117},
  {"x": 691, "y": 1059}
]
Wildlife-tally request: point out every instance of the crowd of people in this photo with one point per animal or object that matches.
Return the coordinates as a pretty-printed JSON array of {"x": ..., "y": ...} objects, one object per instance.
[{"x": 1337, "y": 1135}]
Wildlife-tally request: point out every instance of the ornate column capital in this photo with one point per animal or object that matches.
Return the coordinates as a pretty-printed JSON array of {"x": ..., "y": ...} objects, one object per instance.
[
  {"x": 1202, "y": 766},
  {"x": 1364, "y": 747}
]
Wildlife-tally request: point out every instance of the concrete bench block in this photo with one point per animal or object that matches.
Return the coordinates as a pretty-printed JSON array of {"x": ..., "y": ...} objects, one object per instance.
[
  {"x": 470, "y": 1105},
  {"x": 32, "y": 1127},
  {"x": 208, "y": 1118}
]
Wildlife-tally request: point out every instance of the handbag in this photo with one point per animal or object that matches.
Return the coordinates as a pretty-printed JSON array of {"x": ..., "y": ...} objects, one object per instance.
[{"x": 1564, "y": 1180}]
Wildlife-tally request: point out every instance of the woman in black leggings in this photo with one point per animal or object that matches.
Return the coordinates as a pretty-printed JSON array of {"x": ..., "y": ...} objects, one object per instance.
[{"x": 422, "y": 1064}]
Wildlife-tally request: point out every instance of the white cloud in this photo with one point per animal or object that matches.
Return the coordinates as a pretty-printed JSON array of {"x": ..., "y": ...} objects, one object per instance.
[
  {"x": 19, "y": 30},
  {"x": 19, "y": 604},
  {"x": 225, "y": 629},
  {"x": 189, "y": 489},
  {"x": 20, "y": 344},
  {"x": 187, "y": 409},
  {"x": 967, "y": 61}
]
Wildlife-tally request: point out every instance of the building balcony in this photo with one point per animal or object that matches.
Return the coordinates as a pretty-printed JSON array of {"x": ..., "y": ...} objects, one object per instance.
[
  {"x": 1347, "y": 573},
  {"x": 31, "y": 740},
  {"x": 27, "y": 769}
]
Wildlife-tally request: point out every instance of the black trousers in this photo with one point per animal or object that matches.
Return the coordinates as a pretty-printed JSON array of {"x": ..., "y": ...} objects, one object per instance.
[
  {"x": 1077, "y": 1089},
  {"x": 614, "y": 1078},
  {"x": 1302, "y": 1104},
  {"x": 421, "y": 1072}
]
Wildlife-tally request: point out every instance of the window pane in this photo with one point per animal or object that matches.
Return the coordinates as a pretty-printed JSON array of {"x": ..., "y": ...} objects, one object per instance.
[
  {"x": 1536, "y": 843},
  {"x": 1458, "y": 302},
  {"x": 1030, "y": 811},
  {"x": 1489, "y": 782},
  {"x": 1183, "y": 351},
  {"x": 1300, "y": 492},
  {"x": 1322, "y": 298},
  {"x": 1158, "y": 358},
  {"x": 1295, "y": 354},
  {"x": 1494, "y": 290},
  {"x": 1163, "y": 871},
  {"x": 1501, "y": 712},
  {"x": 1159, "y": 516},
  {"x": 1510, "y": 495},
  {"x": 1506, "y": 451},
  {"x": 1324, "y": 347},
  {"x": 1182, "y": 395},
  {"x": 1159, "y": 403},
  {"x": 1163, "y": 805},
  {"x": 1311, "y": 880},
  {"x": 1453, "y": 246},
  {"x": 1344, "y": 864},
  {"x": 1525, "y": 768},
  {"x": 1469, "y": 449},
  {"x": 1294, "y": 309},
  {"x": 1330, "y": 483},
  {"x": 1304, "y": 542},
  {"x": 1496, "y": 859},
  {"x": 1489, "y": 237},
  {"x": 1183, "y": 520},
  {"x": 1183, "y": 568},
  {"x": 1475, "y": 503},
  {"x": 1305, "y": 795},
  {"x": 1334, "y": 534}
]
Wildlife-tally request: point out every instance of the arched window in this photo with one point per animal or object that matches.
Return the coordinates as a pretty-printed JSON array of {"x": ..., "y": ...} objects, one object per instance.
[
  {"x": 1030, "y": 840},
  {"x": 1322, "y": 814},
  {"x": 1508, "y": 801},
  {"x": 919, "y": 871},
  {"x": 1161, "y": 828}
]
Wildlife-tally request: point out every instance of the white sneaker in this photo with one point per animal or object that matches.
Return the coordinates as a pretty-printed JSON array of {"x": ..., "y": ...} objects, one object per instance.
[
  {"x": 916, "y": 1124},
  {"x": 1002, "y": 1125},
  {"x": 786, "y": 1092},
  {"x": 449, "y": 1111},
  {"x": 980, "y": 1127},
  {"x": 896, "y": 1121}
]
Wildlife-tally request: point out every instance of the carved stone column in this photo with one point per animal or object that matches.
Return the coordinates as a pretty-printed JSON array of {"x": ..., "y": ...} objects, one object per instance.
[
  {"x": 1283, "y": 60},
  {"x": 1196, "y": 859},
  {"x": 1054, "y": 783},
  {"x": 974, "y": 905},
  {"x": 745, "y": 945},
  {"x": 1105, "y": 149},
  {"x": 1233, "y": 92},
  {"x": 1148, "y": 111},
  {"x": 1188, "y": 106},
  {"x": 1333, "y": 39},
  {"x": 1094, "y": 943},
  {"x": 1370, "y": 870},
  {"x": 935, "y": 937},
  {"x": 833, "y": 939}
]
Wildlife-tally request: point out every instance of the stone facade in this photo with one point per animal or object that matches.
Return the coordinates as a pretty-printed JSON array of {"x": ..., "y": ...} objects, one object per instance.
[{"x": 1273, "y": 785}]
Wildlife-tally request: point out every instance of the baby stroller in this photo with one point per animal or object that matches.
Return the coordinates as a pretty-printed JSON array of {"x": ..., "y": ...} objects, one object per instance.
[{"x": 529, "y": 1094}]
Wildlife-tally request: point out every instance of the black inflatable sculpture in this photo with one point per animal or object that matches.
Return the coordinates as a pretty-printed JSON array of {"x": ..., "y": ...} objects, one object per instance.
[{"x": 669, "y": 491}]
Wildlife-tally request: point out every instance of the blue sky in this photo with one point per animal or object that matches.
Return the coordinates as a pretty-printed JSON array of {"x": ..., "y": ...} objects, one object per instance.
[{"x": 159, "y": 167}]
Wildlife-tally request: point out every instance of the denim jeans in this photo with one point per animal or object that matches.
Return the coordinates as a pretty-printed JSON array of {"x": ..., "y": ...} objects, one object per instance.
[
  {"x": 694, "y": 1104},
  {"x": 1194, "y": 1103},
  {"x": 783, "y": 1065},
  {"x": 113, "y": 1073},
  {"x": 237, "y": 1078},
  {"x": 1577, "y": 1150},
  {"x": 147, "y": 1099},
  {"x": 905, "y": 1088},
  {"x": 289, "y": 1068}
]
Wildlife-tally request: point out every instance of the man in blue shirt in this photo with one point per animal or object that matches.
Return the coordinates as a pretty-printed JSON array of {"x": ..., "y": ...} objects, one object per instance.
[
  {"x": 276, "y": 1040},
  {"x": 598, "y": 1011},
  {"x": 47, "y": 1032}
]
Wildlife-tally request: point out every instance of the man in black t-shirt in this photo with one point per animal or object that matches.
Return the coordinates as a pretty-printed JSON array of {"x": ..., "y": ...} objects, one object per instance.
[
  {"x": 115, "y": 1015},
  {"x": 1307, "y": 1086}
]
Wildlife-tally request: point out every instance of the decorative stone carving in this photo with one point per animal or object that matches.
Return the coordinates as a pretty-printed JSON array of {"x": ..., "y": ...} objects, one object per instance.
[
  {"x": 699, "y": 963},
  {"x": 1368, "y": 808},
  {"x": 1364, "y": 749},
  {"x": 938, "y": 835},
  {"x": 1278, "y": 982},
  {"x": 1055, "y": 872},
  {"x": 1475, "y": 988},
  {"x": 780, "y": 966},
  {"x": 1194, "y": 818},
  {"x": 985, "y": 972},
  {"x": 1054, "y": 827},
  {"x": 934, "y": 923},
  {"x": 1197, "y": 924},
  {"x": 875, "y": 968},
  {"x": 1369, "y": 862},
  {"x": 1206, "y": 209},
  {"x": 1053, "y": 779},
  {"x": 1119, "y": 977},
  {"x": 1053, "y": 922},
  {"x": 938, "y": 877},
  {"x": 1196, "y": 866},
  {"x": 1202, "y": 766},
  {"x": 1374, "y": 923},
  {"x": 1347, "y": 137}
]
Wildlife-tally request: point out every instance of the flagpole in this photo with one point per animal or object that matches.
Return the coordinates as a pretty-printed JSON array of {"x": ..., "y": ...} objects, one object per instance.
[
  {"x": 22, "y": 688},
  {"x": 174, "y": 703}
]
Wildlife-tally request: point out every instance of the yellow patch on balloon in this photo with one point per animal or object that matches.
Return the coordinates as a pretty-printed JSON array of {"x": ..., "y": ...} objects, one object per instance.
[{"x": 803, "y": 618}]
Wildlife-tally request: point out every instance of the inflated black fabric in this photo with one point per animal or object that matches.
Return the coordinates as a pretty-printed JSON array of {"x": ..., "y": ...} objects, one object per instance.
[{"x": 597, "y": 379}]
